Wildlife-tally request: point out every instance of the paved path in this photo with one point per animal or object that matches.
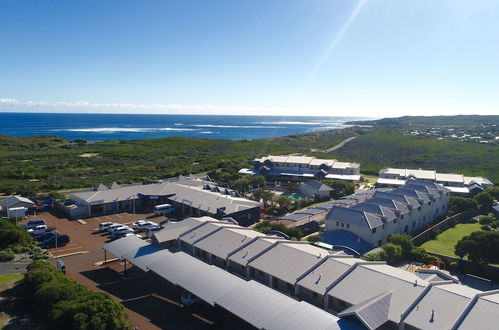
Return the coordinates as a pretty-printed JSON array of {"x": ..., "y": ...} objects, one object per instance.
[
  {"x": 339, "y": 145},
  {"x": 12, "y": 267}
]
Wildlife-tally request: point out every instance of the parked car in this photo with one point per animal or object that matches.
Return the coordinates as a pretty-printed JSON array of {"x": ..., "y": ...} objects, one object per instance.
[
  {"x": 143, "y": 226},
  {"x": 189, "y": 299},
  {"x": 44, "y": 236},
  {"x": 56, "y": 240},
  {"x": 119, "y": 233},
  {"x": 103, "y": 226},
  {"x": 131, "y": 234},
  {"x": 38, "y": 230},
  {"x": 112, "y": 227},
  {"x": 33, "y": 223},
  {"x": 122, "y": 227},
  {"x": 137, "y": 224}
]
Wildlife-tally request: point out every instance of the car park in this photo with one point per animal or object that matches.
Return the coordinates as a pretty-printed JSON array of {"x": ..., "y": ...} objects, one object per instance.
[
  {"x": 131, "y": 234},
  {"x": 55, "y": 241},
  {"x": 103, "y": 226},
  {"x": 38, "y": 230},
  {"x": 33, "y": 223},
  {"x": 137, "y": 224},
  {"x": 120, "y": 228},
  {"x": 44, "y": 236},
  {"x": 144, "y": 226}
]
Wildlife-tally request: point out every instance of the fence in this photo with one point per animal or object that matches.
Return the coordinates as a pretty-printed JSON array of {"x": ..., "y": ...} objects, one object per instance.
[{"x": 428, "y": 234}]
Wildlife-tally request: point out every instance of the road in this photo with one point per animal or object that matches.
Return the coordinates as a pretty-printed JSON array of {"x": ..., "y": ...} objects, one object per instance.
[{"x": 339, "y": 145}]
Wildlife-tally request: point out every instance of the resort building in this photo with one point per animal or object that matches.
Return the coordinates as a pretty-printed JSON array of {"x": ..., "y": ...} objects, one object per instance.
[
  {"x": 273, "y": 283},
  {"x": 379, "y": 214},
  {"x": 456, "y": 183},
  {"x": 315, "y": 189},
  {"x": 302, "y": 168},
  {"x": 189, "y": 197}
]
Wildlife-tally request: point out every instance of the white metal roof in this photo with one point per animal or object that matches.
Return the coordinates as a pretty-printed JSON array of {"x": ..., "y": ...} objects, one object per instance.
[
  {"x": 483, "y": 315},
  {"x": 124, "y": 245},
  {"x": 145, "y": 255},
  {"x": 173, "y": 230},
  {"x": 245, "y": 254},
  {"x": 265, "y": 308},
  {"x": 288, "y": 261},
  {"x": 16, "y": 199},
  {"x": 226, "y": 240}
]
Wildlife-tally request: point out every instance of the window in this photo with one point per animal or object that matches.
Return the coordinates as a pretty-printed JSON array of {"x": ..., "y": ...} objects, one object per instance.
[
  {"x": 380, "y": 242},
  {"x": 406, "y": 228},
  {"x": 348, "y": 226},
  {"x": 337, "y": 223},
  {"x": 342, "y": 224},
  {"x": 419, "y": 208},
  {"x": 395, "y": 221},
  {"x": 402, "y": 216},
  {"x": 373, "y": 230}
]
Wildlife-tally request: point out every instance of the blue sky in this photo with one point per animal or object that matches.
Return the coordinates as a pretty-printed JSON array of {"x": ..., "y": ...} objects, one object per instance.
[{"x": 310, "y": 57}]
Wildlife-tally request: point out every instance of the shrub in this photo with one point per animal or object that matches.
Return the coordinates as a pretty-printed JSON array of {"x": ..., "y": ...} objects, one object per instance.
[
  {"x": 480, "y": 247},
  {"x": 404, "y": 241},
  {"x": 453, "y": 266},
  {"x": 461, "y": 204},
  {"x": 417, "y": 254},
  {"x": 376, "y": 256},
  {"x": 486, "y": 220},
  {"x": 484, "y": 199},
  {"x": 7, "y": 255},
  {"x": 314, "y": 238}
]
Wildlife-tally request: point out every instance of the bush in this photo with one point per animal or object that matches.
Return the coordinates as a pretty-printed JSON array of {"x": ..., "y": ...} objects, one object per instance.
[
  {"x": 314, "y": 238},
  {"x": 484, "y": 199},
  {"x": 417, "y": 254},
  {"x": 69, "y": 305},
  {"x": 461, "y": 204},
  {"x": 376, "y": 256},
  {"x": 486, "y": 220},
  {"x": 480, "y": 247},
  {"x": 393, "y": 253},
  {"x": 404, "y": 241},
  {"x": 7, "y": 255},
  {"x": 453, "y": 266}
]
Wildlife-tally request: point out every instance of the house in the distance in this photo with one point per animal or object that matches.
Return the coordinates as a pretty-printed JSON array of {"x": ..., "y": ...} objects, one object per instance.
[
  {"x": 302, "y": 168},
  {"x": 456, "y": 183},
  {"x": 315, "y": 189}
]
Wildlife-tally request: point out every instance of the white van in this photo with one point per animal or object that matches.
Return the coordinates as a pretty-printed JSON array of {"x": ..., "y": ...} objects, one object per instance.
[{"x": 163, "y": 209}]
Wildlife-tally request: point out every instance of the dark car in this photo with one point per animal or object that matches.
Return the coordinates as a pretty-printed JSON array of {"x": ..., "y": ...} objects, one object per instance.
[
  {"x": 45, "y": 236},
  {"x": 33, "y": 223},
  {"x": 56, "y": 240}
]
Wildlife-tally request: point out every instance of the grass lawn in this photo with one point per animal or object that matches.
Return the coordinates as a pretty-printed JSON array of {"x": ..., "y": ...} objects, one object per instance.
[
  {"x": 6, "y": 282},
  {"x": 445, "y": 242}
]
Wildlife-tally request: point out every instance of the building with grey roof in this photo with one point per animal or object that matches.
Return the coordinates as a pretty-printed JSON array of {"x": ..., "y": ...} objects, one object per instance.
[
  {"x": 481, "y": 313},
  {"x": 215, "y": 248},
  {"x": 203, "y": 199},
  {"x": 313, "y": 286},
  {"x": 456, "y": 183},
  {"x": 439, "y": 307},
  {"x": 383, "y": 213},
  {"x": 364, "y": 283},
  {"x": 282, "y": 264},
  {"x": 187, "y": 240},
  {"x": 302, "y": 168},
  {"x": 315, "y": 189}
]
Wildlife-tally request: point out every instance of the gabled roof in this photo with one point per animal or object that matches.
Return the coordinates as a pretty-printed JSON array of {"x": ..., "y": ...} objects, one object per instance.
[
  {"x": 354, "y": 217},
  {"x": 372, "y": 312},
  {"x": 367, "y": 281},
  {"x": 327, "y": 272},
  {"x": 145, "y": 255},
  {"x": 288, "y": 261},
  {"x": 397, "y": 197},
  {"x": 345, "y": 238},
  {"x": 412, "y": 193},
  {"x": 222, "y": 242},
  {"x": 483, "y": 313},
  {"x": 16, "y": 199},
  {"x": 317, "y": 185},
  {"x": 101, "y": 187},
  {"x": 200, "y": 232},
  {"x": 376, "y": 209},
  {"x": 390, "y": 203},
  {"x": 173, "y": 230},
  {"x": 244, "y": 254},
  {"x": 440, "y": 307}
]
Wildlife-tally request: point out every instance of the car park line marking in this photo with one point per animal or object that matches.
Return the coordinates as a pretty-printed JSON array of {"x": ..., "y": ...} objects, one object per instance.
[
  {"x": 100, "y": 263},
  {"x": 119, "y": 216},
  {"x": 68, "y": 249},
  {"x": 108, "y": 217},
  {"x": 199, "y": 317},
  {"x": 173, "y": 302},
  {"x": 68, "y": 254},
  {"x": 98, "y": 219}
]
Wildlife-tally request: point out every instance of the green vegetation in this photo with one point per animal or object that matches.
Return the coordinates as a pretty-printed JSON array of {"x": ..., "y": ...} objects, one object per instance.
[
  {"x": 400, "y": 247},
  {"x": 341, "y": 188},
  {"x": 480, "y": 247},
  {"x": 459, "y": 204},
  {"x": 15, "y": 240},
  {"x": 445, "y": 242},
  {"x": 266, "y": 226},
  {"x": 65, "y": 304},
  {"x": 9, "y": 278},
  {"x": 432, "y": 121},
  {"x": 50, "y": 164}
]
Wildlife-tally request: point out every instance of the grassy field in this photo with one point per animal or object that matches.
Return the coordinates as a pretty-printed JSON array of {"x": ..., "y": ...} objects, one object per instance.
[
  {"x": 445, "y": 242},
  {"x": 8, "y": 280}
]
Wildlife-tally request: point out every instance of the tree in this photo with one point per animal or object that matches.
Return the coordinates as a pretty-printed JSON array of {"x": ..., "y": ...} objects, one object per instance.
[
  {"x": 340, "y": 188},
  {"x": 393, "y": 253},
  {"x": 404, "y": 241},
  {"x": 493, "y": 191},
  {"x": 486, "y": 220},
  {"x": 484, "y": 199},
  {"x": 462, "y": 204},
  {"x": 480, "y": 247}
]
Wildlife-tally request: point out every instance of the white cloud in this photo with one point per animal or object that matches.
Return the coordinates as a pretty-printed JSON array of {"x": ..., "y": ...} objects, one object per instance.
[{"x": 9, "y": 104}]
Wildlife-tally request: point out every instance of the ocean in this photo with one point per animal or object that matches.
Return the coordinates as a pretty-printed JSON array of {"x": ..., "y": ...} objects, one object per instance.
[{"x": 98, "y": 127}]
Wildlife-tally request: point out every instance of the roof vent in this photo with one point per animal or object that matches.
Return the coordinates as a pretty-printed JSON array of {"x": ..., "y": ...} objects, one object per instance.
[
  {"x": 432, "y": 319},
  {"x": 246, "y": 254},
  {"x": 319, "y": 255},
  {"x": 415, "y": 282},
  {"x": 318, "y": 278},
  {"x": 244, "y": 238},
  {"x": 193, "y": 234}
]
